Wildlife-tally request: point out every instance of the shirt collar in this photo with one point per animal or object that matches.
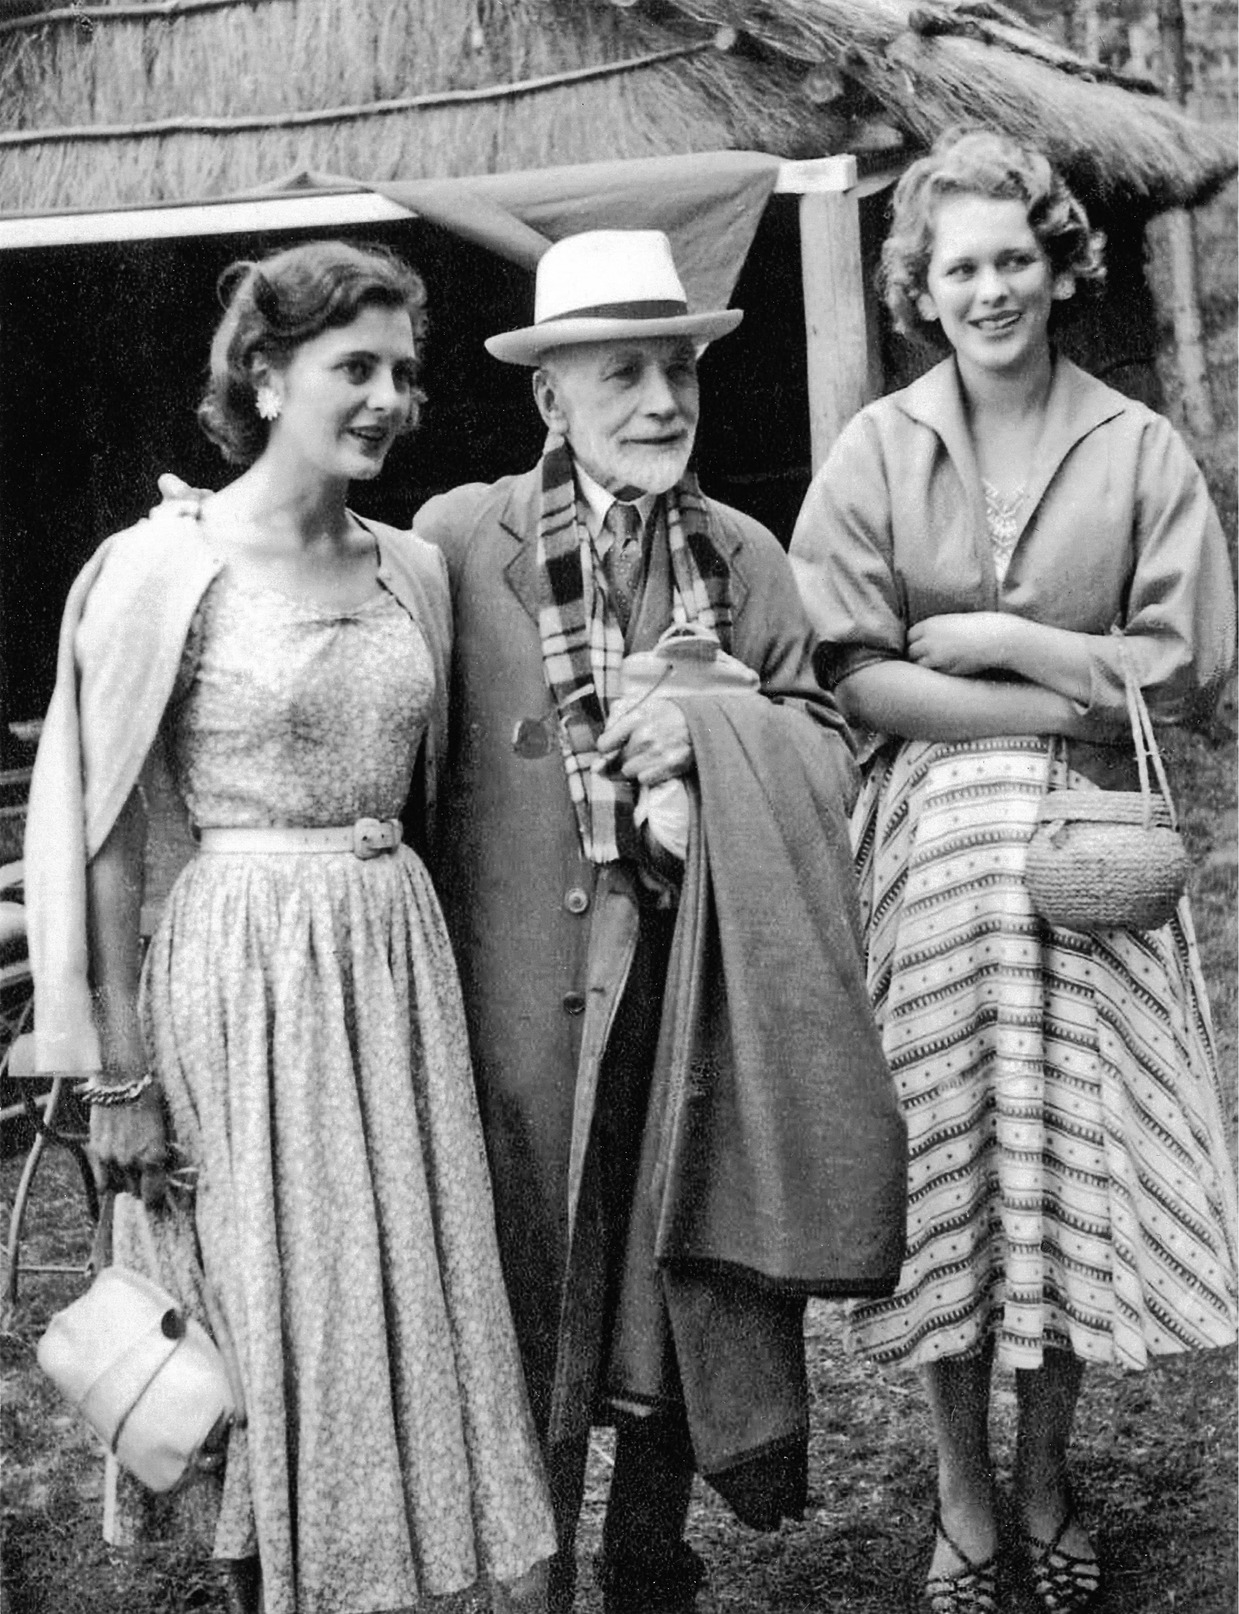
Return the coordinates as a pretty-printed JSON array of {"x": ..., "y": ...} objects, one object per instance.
[{"x": 598, "y": 501}]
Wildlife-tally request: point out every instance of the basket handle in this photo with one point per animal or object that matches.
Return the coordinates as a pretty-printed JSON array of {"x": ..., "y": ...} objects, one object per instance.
[
  {"x": 1144, "y": 740},
  {"x": 1054, "y": 744},
  {"x": 1144, "y": 737}
]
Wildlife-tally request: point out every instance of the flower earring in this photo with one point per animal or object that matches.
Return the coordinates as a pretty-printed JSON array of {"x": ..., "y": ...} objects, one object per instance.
[{"x": 267, "y": 402}]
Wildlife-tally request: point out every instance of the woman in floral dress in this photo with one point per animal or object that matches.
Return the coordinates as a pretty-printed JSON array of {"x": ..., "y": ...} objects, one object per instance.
[
  {"x": 966, "y": 552},
  {"x": 281, "y": 666}
]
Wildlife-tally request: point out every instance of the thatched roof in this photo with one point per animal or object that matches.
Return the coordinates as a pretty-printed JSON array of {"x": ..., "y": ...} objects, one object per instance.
[{"x": 130, "y": 101}]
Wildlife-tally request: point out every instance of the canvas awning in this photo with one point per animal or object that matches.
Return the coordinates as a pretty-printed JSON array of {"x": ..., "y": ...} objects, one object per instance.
[{"x": 708, "y": 203}]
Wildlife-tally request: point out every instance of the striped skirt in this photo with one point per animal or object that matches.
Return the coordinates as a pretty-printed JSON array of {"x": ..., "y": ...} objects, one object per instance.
[{"x": 1069, "y": 1180}]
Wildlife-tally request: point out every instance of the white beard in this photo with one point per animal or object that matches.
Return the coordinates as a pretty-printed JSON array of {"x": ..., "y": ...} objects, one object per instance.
[{"x": 653, "y": 470}]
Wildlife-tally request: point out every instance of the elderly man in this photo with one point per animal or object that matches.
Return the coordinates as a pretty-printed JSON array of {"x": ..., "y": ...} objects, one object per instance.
[{"x": 642, "y": 852}]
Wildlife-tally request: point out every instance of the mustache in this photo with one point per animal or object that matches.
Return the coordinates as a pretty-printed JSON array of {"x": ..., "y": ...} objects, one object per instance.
[{"x": 659, "y": 445}]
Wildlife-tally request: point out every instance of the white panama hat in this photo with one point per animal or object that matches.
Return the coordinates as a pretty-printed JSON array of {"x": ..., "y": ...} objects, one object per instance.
[{"x": 603, "y": 285}]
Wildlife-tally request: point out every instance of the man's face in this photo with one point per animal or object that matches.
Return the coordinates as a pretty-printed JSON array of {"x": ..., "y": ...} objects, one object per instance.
[{"x": 628, "y": 408}]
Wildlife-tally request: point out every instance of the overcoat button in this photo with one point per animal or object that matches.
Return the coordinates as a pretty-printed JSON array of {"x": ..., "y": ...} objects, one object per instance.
[
  {"x": 531, "y": 738},
  {"x": 574, "y": 1003},
  {"x": 576, "y": 899}
]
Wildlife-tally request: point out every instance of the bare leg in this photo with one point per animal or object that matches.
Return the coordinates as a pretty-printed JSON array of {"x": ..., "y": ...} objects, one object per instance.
[
  {"x": 1047, "y": 1400},
  {"x": 958, "y": 1390}
]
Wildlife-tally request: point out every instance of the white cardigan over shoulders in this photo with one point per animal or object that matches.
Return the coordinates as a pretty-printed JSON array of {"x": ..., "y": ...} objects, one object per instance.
[{"x": 121, "y": 641}]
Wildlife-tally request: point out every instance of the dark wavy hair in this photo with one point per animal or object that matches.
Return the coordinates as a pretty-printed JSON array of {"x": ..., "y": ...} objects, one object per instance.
[
  {"x": 981, "y": 162},
  {"x": 275, "y": 305}
]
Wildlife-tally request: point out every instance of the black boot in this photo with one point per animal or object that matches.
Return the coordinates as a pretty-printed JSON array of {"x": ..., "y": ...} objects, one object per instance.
[
  {"x": 645, "y": 1567},
  {"x": 666, "y": 1586},
  {"x": 561, "y": 1588}
]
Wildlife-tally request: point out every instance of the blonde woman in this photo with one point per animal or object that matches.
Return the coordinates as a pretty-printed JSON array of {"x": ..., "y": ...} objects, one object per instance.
[{"x": 966, "y": 552}]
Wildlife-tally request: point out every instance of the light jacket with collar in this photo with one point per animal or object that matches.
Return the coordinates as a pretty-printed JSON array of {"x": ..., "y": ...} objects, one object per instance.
[
  {"x": 121, "y": 641},
  {"x": 544, "y": 940},
  {"x": 1118, "y": 529}
]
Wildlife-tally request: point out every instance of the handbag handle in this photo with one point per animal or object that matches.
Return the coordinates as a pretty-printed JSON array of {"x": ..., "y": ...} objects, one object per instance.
[
  {"x": 1144, "y": 741},
  {"x": 101, "y": 1245},
  {"x": 1146, "y": 745},
  {"x": 101, "y": 1256}
]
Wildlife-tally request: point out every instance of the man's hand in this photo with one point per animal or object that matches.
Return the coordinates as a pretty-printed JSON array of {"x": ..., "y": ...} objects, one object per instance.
[
  {"x": 129, "y": 1143},
  {"x": 177, "y": 498},
  {"x": 966, "y": 644},
  {"x": 648, "y": 742}
]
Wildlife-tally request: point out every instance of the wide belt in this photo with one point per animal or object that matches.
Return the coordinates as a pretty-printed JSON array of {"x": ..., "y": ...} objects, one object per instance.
[{"x": 368, "y": 837}]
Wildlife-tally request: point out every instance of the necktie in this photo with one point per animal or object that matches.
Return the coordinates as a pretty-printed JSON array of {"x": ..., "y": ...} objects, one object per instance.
[{"x": 622, "y": 562}]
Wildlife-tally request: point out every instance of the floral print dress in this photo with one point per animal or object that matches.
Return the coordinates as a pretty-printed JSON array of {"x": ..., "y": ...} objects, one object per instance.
[{"x": 305, "y": 1018}]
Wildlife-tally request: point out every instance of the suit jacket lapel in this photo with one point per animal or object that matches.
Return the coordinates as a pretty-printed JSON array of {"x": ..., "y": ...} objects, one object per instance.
[{"x": 518, "y": 523}]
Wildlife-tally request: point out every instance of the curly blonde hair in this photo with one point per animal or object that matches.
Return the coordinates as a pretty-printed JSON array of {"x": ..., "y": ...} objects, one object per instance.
[{"x": 981, "y": 162}]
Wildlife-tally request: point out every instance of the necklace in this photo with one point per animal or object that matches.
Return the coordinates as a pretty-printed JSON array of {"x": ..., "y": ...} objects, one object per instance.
[{"x": 1002, "y": 522}]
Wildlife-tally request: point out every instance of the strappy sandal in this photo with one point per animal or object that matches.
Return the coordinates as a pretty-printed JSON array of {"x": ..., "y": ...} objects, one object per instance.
[
  {"x": 1063, "y": 1583},
  {"x": 973, "y": 1592}
]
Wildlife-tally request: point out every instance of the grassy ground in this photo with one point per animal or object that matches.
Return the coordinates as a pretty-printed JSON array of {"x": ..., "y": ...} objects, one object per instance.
[
  {"x": 1155, "y": 1453},
  {"x": 1156, "y": 1460}
]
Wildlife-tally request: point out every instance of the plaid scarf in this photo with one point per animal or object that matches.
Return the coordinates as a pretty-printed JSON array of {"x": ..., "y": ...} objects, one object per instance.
[{"x": 583, "y": 646}]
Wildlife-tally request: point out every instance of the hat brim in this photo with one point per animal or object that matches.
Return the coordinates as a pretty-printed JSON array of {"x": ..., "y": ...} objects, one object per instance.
[{"x": 528, "y": 345}]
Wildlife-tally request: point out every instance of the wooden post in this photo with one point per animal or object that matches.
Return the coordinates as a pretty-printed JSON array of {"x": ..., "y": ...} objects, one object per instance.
[
  {"x": 837, "y": 324},
  {"x": 1172, "y": 244},
  {"x": 1172, "y": 238}
]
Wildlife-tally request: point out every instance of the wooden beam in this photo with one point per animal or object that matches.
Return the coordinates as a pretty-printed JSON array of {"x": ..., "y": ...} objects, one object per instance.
[
  {"x": 837, "y": 323},
  {"x": 836, "y": 173},
  {"x": 311, "y": 209}
]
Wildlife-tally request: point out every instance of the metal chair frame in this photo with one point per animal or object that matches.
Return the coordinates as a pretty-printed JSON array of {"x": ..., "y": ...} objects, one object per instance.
[{"x": 66, "y": 1127}]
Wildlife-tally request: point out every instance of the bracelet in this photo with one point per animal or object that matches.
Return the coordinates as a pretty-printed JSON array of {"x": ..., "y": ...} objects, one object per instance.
[{"x": 93, "y": 1091}]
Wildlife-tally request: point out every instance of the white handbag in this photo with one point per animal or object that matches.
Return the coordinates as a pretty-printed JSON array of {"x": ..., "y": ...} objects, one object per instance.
[{"x": 147, "y": 1377}]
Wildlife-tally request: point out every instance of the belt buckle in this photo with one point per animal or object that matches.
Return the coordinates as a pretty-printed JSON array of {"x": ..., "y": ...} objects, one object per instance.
[{"x": 372, "y": 836}]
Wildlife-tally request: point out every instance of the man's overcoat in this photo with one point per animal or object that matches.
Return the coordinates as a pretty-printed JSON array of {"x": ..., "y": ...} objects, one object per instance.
[{"x": 543, "y": 940}]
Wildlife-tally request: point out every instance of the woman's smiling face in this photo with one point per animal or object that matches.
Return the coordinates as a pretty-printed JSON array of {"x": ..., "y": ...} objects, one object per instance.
[
  {"x": 990, "y": 285},
  {"x": 346, "y": 394}
]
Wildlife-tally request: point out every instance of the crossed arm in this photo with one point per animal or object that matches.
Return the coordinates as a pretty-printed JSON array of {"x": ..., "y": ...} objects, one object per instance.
[{"x": 972, "y": 674}]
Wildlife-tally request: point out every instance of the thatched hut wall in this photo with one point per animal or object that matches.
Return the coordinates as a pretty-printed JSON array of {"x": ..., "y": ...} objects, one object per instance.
[
  {"x": 156, "y": 104},
  {"x": 459, "y": 99}
]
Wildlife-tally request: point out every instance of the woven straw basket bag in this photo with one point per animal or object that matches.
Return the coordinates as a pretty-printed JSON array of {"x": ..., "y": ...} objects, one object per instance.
[{"x": 1110, "y": 859}]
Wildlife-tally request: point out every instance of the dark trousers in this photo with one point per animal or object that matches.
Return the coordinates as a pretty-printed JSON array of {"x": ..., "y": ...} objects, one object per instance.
[
  {"x": 653, "y": 1474},
  {"x": 646, "y": 1508},
  {"x": 650, "y": 1487}
]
